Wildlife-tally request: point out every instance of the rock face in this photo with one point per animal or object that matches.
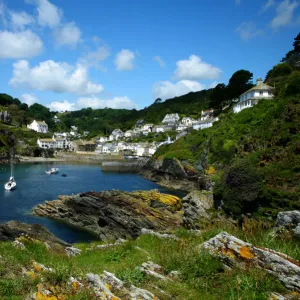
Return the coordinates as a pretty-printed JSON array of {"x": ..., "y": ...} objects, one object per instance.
[
  {"x": 195, "y": 206},
  {"x": 170, "y": 173},
  {"x": 112, "y": 214},
  {"x": 14, "y": 229},
  {"x": 233, "y": 251}
]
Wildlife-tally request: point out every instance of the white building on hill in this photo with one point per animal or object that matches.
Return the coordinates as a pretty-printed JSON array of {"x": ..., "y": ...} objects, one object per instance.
[
  {"x": 54, "y": 143},
  {"x": 170, "y": 119},
  {"x": 38, "y": 126},
  {"x": 252, "y": 96}
]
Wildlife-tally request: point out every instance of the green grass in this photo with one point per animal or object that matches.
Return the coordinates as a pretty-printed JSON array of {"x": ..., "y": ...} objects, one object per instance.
[{"x": 202, "y": 276}]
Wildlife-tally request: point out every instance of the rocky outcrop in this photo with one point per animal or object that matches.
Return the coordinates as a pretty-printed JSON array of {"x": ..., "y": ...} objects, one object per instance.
[
  {"x": 195, "y": 206},
  {"x": 170, "y": 173},
  {"x": 114, "y": 214},
  {"x": 233, "y": 251},
  {"x": 124, "y": 166},
  {"x": 289, "y": 220},
  {"x": 14, "y": 229}
]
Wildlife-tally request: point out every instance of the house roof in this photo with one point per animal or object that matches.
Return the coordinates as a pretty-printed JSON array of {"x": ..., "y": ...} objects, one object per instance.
[
  {"x": 46, "y": 140},
  {"x": 260, "y": 87},
  {"x": 41, "y": 123}
]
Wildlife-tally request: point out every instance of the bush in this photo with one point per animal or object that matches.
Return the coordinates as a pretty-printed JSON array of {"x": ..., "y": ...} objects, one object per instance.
[
  {"x": 293, "y": 84},
  {"x": 240, "y": 188}
]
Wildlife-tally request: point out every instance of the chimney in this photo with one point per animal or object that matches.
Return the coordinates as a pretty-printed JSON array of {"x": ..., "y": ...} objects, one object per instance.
[{"x": 259, "y": 81}]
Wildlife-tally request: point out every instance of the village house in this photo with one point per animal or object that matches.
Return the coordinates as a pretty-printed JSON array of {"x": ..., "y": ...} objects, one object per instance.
[
  {"x": 129, "y": 133},
  {"x": 116, "y": 135},
  {"x": 187, "y": 121},
  {"x": 46, "y": 143},
  {"x": 103, "y": 139},
  {"x": 170, "y": 119},
  {"x": 205, "y": 124},
  {"x": 38, "y": 126},
  {"x": 207, "y": 114},
  {"x": 181, "y": 127},
  {"x": 147, "y": 127},
  {"x": 252, "y": 96},
  {"x": 139, "y": 123},
  {"x": 54, "y": 143}
]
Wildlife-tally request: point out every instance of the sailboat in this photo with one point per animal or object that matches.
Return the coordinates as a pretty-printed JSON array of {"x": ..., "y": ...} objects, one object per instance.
[{"x": 11, "y": 184}]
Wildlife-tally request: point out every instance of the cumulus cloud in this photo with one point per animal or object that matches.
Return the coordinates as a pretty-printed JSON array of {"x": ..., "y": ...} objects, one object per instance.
[
  {"x": 196, "y": 69},
  {"x": 53, "y": 76},
  {"x": 48, "y": 14},
  {"x": 93, "y": 102},
  {"x": 125, "y": 60},
  {"x": 248, "y": 30},
  {"x": 23, "y": 44},
  {"x": 67, "y": 34},
  {"x": 160, "y": 61},
  {"x": 167, "y": 89},
  {"x": 284, "y": 14},
  {"x": 61, "y": 106},
  {"x": 20, "y": 19},
  {"x": 93, "y": 58},
  {"x": 29, "y": 99}
]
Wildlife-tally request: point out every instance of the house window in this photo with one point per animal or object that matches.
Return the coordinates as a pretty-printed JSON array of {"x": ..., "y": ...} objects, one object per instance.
[
  {"x": 269, "y": 93},
  {"x": 261, "y": 93}
]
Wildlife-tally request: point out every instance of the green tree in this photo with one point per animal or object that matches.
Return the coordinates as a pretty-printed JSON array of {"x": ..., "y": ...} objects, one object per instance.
[
  {"x": 218, "y": 95},
  {"x": 17, "y": 114},
  {"x": 157, "y": 101},
  {"x": 282, "y": 69},
  {"x": 292, "y": 86},
  {"x": 293, "y": 56},
  {"x": 240, "y": 82}
]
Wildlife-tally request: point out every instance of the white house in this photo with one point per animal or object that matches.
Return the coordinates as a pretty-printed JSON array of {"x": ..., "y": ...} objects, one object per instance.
[
  {"x": 61, "y": 143},
  {"x": 187, "y": 121},
  {"x": 103, "y": 139},
  {"x": 116, "y": 135},
  {"x": 207, "y": 114},
  {"x": 252, "y": 96},
  {"x": 171, "y": 119},
  {"x": 128, "y": 133},
  {"x": 147, "y": 127},
  {"x": 181, "y": 127},
  {"x": 46, "y": 143},
  {"x": 38, "y": 126},
  {"x": 205, "y": 124}
]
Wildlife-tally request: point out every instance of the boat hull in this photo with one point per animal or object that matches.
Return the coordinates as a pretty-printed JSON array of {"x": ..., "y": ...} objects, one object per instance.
[{"x": 10, "y": 187}]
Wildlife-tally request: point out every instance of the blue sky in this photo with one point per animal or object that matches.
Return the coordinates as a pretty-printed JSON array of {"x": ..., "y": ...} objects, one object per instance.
[{"x": 124, "y": 54}]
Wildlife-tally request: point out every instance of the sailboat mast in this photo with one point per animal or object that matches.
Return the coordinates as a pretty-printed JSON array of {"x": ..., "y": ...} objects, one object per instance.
[{"x": 11, "y": 162}]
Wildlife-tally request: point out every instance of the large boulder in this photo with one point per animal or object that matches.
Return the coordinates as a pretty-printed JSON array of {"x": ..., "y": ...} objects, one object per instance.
[
  {"x": 288, "y": 219},
  {"x": 235, "y": 252},
  {"x": 115, "y": 214},
  {"x": 196, "y": 205}
]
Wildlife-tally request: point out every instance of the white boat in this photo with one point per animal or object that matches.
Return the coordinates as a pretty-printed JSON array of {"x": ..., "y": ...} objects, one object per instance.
[
  {"x": 54, "y": 170},
  {"x": 11, "y": 184},
  {"x": 48, "y": 172}
]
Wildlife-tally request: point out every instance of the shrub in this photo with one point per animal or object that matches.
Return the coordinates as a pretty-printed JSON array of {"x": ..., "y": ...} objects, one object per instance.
[{"x": 240, "y": 188}]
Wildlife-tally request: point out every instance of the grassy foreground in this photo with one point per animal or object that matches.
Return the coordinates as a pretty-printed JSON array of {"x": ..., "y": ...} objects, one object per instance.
[{"x": 201, "y": 275}]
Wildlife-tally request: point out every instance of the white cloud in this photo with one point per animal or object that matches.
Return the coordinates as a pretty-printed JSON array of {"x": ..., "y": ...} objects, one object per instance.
[
  {"x": 48, "y": 14},
  {"x": 20, "y": 19},
  {"x": 92, "y": 58},
  {"x": 167, "y": 89},
  {"x": 124, "y": 60},
  {"x": 29, "y": 99},
  {"x": 160, "y": 61},
  {"x": 93, "y": 102},
  {"x": 195, "y": 69},
  {"x": 67, "y": 34},
  {"x": 284, "y": 14},
  {"x": 61, "y": 106},
  {"x": 22, "y": 44},
  {"x": 116, "y": 102},
  {"x": 54, "y": 76},
  {"x": 3, "y": 13},
  {"x": 267, "y": 5},
  {"x": 248, "y": 30}
]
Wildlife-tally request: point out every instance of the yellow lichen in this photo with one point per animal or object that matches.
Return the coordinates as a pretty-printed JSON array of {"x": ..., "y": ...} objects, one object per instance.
[
  {"x": 246, "y": 252},
  {"x": 37, "y": 268},
  {"x": 228, "y": 252},
  {"x": 155, "y": 195}
]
